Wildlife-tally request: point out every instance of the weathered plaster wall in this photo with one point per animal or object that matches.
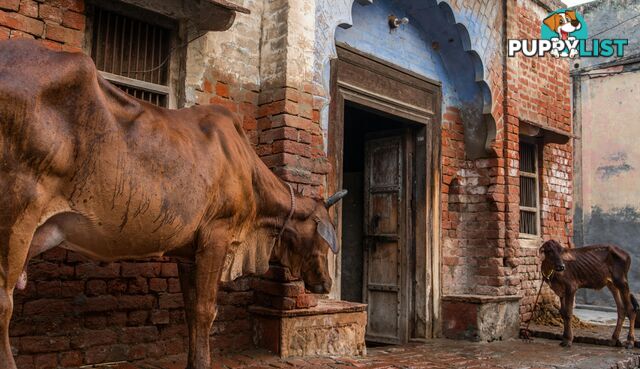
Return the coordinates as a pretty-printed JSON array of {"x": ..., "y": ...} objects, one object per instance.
[
  {"x": 602, "y": 15},
  {"x": 609, "y": 206}
]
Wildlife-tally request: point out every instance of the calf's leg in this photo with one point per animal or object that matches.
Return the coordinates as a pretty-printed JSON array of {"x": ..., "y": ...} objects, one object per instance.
[
  {"x": 630, "y": 312},
  {"x": 566, "y": 310},
  {"x": 199, "y": 282},
  {"x": 615, "y": 338}
]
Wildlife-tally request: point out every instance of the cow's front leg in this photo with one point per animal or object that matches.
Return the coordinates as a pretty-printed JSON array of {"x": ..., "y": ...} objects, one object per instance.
[
  {"x": 199, "y": 282},
  {"x": 566, "y": 310}
]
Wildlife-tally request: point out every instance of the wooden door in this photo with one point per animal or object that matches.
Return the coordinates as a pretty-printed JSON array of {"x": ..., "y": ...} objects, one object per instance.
[{"x": 385, "y": 239}]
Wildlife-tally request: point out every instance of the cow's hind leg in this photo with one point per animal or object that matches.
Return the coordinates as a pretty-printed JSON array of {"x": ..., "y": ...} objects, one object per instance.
[
  {"x": 630, "y": 310},
  {"x": 615, "y": 338},
  {"x": 199, "y": 282}
]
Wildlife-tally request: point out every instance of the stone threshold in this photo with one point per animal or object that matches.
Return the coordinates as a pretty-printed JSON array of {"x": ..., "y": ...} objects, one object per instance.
[{"x": 324, "y": 307}]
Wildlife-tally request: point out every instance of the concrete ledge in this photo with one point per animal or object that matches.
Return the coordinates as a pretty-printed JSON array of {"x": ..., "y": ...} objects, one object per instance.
[
  {"x": 331, "y": 328},
  {"x": 480, "y": 318}
]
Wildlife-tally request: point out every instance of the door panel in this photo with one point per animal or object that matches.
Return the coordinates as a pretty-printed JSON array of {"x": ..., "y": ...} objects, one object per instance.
[{"x": 384, "y": 239}]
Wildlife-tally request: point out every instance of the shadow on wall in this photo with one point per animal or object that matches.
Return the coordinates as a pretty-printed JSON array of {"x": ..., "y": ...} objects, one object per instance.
[{"x": 620, "y": 226}]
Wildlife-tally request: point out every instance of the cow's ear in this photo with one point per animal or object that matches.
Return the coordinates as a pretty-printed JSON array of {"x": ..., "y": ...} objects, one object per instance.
[
  {"x": 552, "y": 22},
  {"x": 328, "y": 233}
]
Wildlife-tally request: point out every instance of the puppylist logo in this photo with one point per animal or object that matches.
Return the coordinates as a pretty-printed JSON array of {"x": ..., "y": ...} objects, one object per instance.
[{"x": 563, "y": 33}]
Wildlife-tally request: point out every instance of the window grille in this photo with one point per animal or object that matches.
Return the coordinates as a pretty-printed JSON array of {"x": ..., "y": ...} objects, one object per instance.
[
  {"x": 133, "y": 55},
  {"x": 529, "y": 199}
]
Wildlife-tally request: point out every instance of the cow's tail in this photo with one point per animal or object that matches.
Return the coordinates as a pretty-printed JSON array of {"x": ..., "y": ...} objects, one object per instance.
[{"x": 634, "y": 302}]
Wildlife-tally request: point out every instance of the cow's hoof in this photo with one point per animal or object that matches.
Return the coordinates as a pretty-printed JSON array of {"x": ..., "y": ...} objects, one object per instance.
[
  {"x": 565, "y": 343},
  {"x": 615, "y": 342}
]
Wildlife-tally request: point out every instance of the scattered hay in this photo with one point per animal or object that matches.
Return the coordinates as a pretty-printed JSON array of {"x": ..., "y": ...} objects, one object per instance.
[{"x": 549, "y": 314}]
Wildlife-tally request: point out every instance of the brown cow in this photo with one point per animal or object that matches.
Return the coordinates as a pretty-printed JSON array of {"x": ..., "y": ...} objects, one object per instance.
[
  {"x": 595, "y": 267},
  {"x": 88, "y": 168}
]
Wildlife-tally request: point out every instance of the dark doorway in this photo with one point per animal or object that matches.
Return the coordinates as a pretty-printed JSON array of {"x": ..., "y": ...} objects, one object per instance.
[{"x": 377, "y": 245}]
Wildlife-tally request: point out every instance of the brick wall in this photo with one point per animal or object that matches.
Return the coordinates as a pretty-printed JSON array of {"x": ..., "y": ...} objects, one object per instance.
[
  {"x": 482, "y": 249},
  {"x": 59, "y": 23},
  {"x": 539, "y": 92},
  {"x": 75, "y": 312}
]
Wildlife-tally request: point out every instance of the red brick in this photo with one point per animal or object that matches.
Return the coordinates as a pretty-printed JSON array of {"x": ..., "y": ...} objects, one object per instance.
[
  {"x": 73, "y": 20},
  {"x": 4, "y": 33},
  {"x": 30, "y": 9},
  {"x": 139, "y": 334},
  {"x": 91, "y": 270},
  {"x": 137, "y": 318},
  {"x": 158, "y": 284},
  {"x": 96, "y": 287},
  {"x": 70, "y": 359},
  {"x": 136, "y": 302},
  {"x": 63, "y": 34},
  {"x": 222, "y": 89},
  {"x": 169, "y": 270},
  {"x": 90, "y": 338},
  {"x": 289, "y": 289},
  {"x": 171, "y": 301},
  {"x": 21, "y": 22},
  {"x": 147, "y": 270},
  {"x": 173, "y": 285},
  {"x": 306, "y": 301},
  {"x": 36, "y": 345},
  {"x": 138, "y": 285},
  {"x": 10, "y": 4},
  {"x": 96, "y": 304},
  {"x": 46, "y": 361},
  {"x": 51, "y": 13},
  {"x": 160, "y": 317},
  {"x": 75, "y": 5}
]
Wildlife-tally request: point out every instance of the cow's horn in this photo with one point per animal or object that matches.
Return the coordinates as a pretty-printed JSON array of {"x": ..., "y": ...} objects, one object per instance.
[{"x": 335, "y": 198}]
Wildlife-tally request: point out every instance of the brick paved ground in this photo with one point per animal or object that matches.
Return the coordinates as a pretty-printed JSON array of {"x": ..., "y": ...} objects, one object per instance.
[{"x": 538, "y": 354}]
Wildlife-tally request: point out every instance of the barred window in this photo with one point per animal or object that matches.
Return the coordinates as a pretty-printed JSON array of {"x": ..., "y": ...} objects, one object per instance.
[
  {"x": 132, "y": 54},
  {"x": 529, "y": 199}
]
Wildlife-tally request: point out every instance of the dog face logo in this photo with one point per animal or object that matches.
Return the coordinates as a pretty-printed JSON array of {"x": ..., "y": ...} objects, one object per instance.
[
  {"x": 564, "y": 24},
  {"x": 564, "y": 34}
]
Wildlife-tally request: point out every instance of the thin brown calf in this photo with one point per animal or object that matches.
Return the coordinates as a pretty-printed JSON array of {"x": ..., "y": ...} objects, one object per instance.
[{"x": 593, "y": 267}]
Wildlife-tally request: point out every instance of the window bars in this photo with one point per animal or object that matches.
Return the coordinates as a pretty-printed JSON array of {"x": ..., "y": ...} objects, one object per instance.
[
  {"x": 133, "y": 55},
  {"x": 529, "y": 199}
]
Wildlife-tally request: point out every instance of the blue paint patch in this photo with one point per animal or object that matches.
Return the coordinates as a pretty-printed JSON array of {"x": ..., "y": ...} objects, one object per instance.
[
  {"x": 407, "y": 47},
  {"x": 432, "y": 45}
]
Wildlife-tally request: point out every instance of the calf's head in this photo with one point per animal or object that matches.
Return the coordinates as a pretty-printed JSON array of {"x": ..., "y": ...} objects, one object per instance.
[
  {"x": 553, "y": 251},
  {"x": 306, "y": 241}
]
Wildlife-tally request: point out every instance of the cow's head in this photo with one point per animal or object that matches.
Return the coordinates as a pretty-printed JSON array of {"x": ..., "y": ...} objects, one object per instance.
[
  {"x": 306, "y": 241},
  {"x": 552, "y": 251}
]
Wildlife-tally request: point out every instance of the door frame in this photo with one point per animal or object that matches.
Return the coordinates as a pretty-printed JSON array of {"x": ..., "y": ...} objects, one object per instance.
[{"x": 366, "y": 81}]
